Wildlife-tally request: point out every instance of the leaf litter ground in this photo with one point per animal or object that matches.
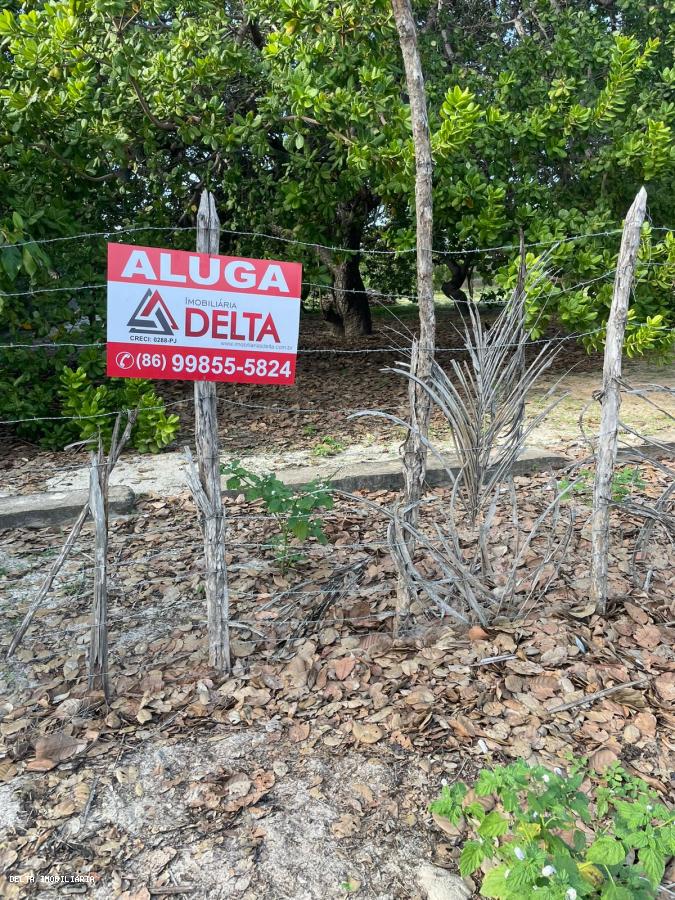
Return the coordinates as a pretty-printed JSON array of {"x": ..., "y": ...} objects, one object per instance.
[{"x": 308, "y": 773}]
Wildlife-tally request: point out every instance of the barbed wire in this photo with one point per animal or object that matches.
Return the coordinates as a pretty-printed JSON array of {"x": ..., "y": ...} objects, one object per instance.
[
  {"x": 362, "y": 350},
  {"x": 101, "y": 285},
  {"x": 294, "y": 621},
  {"x": 380, "y": 615},
  {"x": 313, "y": 245},
  {"x": 313, "y": 550},
  {"x": 118, "y": 582},
  {"x": 114, "y": 616},
  {"x": 349, "y": 517},
  {"x": 317, "y": 550},
  {"x": 97, "y": 285},
  {"x": 122, "y": 540},
  {"x": 284, "y": 628},
  {"x": 451, "y": 253},
  {"x": 101, "y": 415},
  {"x": 115, "y": 230},
  {"x": 322, "y": 409},
  {"x": 118, "y": 525},
  {"x": 334, "y": 350}
]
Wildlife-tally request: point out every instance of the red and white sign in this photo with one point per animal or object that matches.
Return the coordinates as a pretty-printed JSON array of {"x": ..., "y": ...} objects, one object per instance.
[{"x": 196, "y": 317}]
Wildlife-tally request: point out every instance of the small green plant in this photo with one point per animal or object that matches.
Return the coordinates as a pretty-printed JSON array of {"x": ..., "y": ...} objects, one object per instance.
[
  {"x": 624, "y": 483},
  {"x": 542, "y": 836},
  {"x": 93, "y": 406},
  {"x": 328, "y": 446},
  {"x": 293, "y": 509},
  {"x": 309, "y": 430}
]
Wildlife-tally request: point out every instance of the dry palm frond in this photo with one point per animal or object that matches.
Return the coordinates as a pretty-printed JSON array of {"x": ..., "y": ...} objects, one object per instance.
[{"x": 482, "y": 399}]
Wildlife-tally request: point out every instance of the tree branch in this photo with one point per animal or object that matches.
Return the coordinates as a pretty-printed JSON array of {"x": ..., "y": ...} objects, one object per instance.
[
  {"x": 309, "y": 121},
  {"x": 162, "y": 124},
  {"x": 95, "y": 179}
]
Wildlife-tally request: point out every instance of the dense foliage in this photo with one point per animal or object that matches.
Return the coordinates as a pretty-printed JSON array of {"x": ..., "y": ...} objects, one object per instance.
[
  {"x": 531, "y": 833},
  {"x": 545, "y": 117}
]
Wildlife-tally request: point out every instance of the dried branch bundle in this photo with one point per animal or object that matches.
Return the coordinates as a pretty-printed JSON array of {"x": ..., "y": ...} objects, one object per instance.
[{"x": 482, "y": 400}]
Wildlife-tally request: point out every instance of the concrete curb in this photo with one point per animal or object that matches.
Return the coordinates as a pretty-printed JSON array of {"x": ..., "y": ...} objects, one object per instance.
[
  {"x": 388, "y": 476},
  {"x": 57, "y": 507}
]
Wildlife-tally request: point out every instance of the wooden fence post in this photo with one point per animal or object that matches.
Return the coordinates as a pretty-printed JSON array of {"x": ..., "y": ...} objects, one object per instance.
[
  {"x": 422, "y": 355},
  {"x": 99, "y": 480},
  {"x": 611, "y": 400},
  {"x": 113, "y": 457},
  {"x": 98, "y": 642},
  {"x": 49, "y": 580},
  {"x": 209, "y": 499}
]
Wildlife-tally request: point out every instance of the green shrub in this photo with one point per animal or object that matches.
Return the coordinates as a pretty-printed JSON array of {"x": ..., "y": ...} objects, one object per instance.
[
  {"x": 93, "y": 406},
  {"x": 531, "y": 838},
  {"x": 292, "y": 509}
]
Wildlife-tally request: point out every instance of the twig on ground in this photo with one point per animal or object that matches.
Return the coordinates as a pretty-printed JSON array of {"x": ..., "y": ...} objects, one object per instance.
[{"x": 591, "y": 698}]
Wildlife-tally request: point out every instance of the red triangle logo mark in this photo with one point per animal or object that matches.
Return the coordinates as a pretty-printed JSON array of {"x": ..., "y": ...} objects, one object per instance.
[{"x": 156, "y": 300}]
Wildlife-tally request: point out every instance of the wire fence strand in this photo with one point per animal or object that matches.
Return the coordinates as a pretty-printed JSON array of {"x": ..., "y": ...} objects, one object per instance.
[
  {"x": 292, "y": 410},
  {"x": 116, "y": 231}
]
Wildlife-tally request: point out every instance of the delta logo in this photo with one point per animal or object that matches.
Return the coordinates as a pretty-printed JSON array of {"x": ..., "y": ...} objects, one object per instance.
[{"x": 152, "y": 316}]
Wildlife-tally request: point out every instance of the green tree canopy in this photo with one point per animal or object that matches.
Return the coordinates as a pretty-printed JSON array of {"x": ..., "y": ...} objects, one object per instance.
[{"x": 545, "y": 116}]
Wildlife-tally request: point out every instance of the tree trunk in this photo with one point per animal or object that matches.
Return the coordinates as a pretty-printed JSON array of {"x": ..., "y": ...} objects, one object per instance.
[
  {"x": 422, "y": 358},
  {"x": 350, "y": 298},
  {"x": 348, "y": 310}
]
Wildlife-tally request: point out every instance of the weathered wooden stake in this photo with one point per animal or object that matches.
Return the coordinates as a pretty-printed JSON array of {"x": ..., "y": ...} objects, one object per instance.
[
  {"x": 69, "y": 543},
  {"x": 98, "y": 642},
  {"x": 49, "y": 580},
  {"x": 422, "y": 356},
  {"x": 209, "y": 499},
  {"x": 99, "y": 480},
  {"x": 611, "y": 400}
]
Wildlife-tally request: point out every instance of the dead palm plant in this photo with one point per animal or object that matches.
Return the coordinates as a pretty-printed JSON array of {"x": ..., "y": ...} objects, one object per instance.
[{"x": 447, "y": 552}]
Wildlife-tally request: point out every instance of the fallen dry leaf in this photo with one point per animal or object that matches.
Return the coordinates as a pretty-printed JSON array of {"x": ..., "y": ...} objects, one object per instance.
[
  {"x": 141, "y": 894},
  {"x": 62, "y": 809},
  {"x": 446, "y": 825},
  {"x": 53, "y": 749},
  {"x": 7, "y": 858},
  {"x": 636, "y": 613},
  {"x": 344, "y": 667},
  {"x": 299, "y": 732},
  {"x": 648, "y": 636},
  {"x": 7, "y": 770},
  {"x": 646, "y": 722},
  {"x": 462, "y": 727},
  {"x": 367, "y": 733},
  {"x": 602, "y": 759},
  {"x": 237, "y": 786},
  {"x": 345, "y": 826},
  {"x": 665, "y": 686},
  {"x": 363, "y": 791},
  {"x": 81, "y": 794},
  {"x": 9, "y": 728},
  {"x": 476, "y": 633}
]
